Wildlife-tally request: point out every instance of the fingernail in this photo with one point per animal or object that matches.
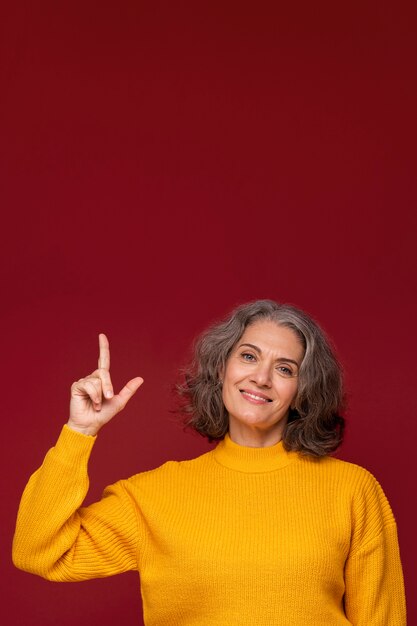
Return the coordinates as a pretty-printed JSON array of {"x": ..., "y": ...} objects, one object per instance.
[{"x": 109, "y": 394}]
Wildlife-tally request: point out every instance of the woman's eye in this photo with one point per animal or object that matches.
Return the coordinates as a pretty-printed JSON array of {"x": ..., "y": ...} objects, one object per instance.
[
  {"x": 246, "y": 356},
  {"x": 285, "y": 371}
]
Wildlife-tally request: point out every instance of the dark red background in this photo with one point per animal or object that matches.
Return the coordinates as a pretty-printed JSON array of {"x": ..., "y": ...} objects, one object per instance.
[{"x": 163, "y": 162}]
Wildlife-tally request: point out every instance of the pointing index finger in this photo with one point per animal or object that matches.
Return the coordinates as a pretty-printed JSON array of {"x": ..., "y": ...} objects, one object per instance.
[{"x": 104, "y": 354}]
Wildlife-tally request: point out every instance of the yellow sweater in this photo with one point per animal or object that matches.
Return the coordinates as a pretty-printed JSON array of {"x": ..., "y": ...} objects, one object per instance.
[{"x": 236, "y": 537}]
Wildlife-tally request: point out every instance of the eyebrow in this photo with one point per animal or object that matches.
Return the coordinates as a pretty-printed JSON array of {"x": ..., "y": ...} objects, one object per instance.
[{"x": 259, "y": 351}]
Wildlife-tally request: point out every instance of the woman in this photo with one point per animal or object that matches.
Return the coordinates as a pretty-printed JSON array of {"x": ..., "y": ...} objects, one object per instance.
[{"x": 266, "y": 529}]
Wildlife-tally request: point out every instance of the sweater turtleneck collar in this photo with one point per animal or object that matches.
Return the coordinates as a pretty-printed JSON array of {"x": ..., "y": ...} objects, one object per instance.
[{"x": 252, "y": 460}]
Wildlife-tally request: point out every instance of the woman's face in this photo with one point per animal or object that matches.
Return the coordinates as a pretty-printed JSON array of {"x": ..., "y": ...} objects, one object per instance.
[{"x": 260, "y": 383}]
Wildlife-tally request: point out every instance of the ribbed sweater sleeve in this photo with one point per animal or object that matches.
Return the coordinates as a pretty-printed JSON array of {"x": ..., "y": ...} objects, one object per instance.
[
  {"x": 373, "y": 573},
  {"x": 60, "y": 540}
]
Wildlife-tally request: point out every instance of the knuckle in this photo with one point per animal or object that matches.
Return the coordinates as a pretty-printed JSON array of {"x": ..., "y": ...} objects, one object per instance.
[{"x": 93, "y": 387}]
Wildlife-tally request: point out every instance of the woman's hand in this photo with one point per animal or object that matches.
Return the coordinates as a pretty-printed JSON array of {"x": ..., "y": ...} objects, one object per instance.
[{"x": 93, "y": 402}]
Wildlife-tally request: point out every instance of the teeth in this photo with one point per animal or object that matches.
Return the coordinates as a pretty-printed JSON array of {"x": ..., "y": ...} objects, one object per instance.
[{"x": 252, "y": 395}]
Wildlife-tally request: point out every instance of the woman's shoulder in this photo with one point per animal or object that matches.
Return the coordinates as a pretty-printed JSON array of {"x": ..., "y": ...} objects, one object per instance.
[
  {"x": 172, "y": 468},
  {"x": 360, "y": 483},
  {"x": 336, "y": 464},
  {"x": 371, "y": 510},
  {"x": 356, "y": 476}
]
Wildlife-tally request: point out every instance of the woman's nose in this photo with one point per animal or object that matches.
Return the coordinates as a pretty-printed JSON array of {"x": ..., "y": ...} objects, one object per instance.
[{"x": 262, "y": 376}]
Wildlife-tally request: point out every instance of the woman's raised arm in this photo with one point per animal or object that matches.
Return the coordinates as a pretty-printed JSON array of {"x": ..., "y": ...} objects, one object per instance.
[{"x": 55, "y": 536}]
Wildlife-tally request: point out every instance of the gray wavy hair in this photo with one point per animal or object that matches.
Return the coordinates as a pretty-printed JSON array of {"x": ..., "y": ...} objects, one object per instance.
[{"x": 315, "y": 426}]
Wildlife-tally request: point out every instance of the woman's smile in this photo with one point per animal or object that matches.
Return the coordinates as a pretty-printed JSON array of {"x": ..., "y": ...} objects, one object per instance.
[{"x": 254, "y": 397}]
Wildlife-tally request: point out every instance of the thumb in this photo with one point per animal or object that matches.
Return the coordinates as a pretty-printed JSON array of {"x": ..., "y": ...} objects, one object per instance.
[{"x": 129, "y": 390}]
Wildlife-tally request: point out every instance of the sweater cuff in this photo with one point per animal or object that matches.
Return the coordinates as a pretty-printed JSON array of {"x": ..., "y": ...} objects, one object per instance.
[{"x": 73, "y": 447}]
